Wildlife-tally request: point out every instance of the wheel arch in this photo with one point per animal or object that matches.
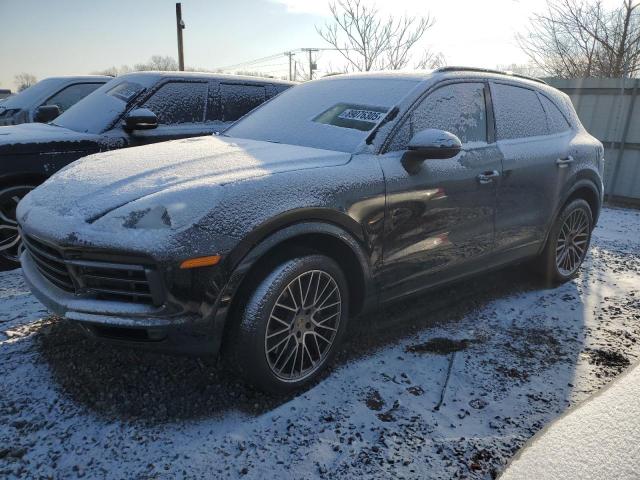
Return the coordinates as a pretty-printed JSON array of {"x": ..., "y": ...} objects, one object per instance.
[
  {"x": 275, "y": 245},
  {"x": 587, "y": 189},
  {"x": 317, "y": 233},
  {"x": 32, "y": 178}
]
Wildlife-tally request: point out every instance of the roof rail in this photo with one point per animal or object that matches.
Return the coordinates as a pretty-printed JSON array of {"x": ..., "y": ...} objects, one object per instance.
[{"x": 488, "y": 70}]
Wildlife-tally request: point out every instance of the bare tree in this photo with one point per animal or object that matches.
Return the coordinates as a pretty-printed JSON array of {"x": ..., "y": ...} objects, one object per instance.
[
  {"x": 24, "y": 80},
  {"x": 581, "y": 38},
  {"x": 430, "y": 60},
  {"x": 403, "y": 35},
  {"x": 114, "y": 71},
  {"x": 158, "y": 63},
  {"x": 528, "y": 69},
  {"x": 367, "y": 41},
  {"x": 155, "y": 63}
]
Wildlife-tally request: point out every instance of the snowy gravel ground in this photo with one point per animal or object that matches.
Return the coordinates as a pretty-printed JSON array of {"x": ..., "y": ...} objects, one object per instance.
[{"x": 448, "y": 385}]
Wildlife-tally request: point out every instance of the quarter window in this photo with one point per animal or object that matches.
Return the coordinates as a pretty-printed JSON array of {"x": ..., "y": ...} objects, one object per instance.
[
  {"x": 238, "y": 100},
  {"x": 458, "y": 108},
  {"x": 518, "y": 112},
  {"x": 179, "y": 102},
  {"x": 556, "y": 120},
  {"x": 71, "y": 95}
]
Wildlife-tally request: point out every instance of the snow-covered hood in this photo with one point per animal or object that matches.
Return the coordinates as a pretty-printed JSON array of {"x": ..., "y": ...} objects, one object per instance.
[
  {"x": 178, "y": 180},
  {"x": 43, "y": 138}
]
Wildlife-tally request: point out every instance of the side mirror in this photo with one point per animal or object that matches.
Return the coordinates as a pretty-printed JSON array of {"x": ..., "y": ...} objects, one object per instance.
[
  {"x": 140, "y": 119},
  {"x": 434, "y": 144},
  {"x": 46, "y": 113}
]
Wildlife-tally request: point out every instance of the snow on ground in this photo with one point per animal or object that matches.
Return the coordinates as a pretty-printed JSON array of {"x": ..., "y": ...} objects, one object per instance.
[
  {"x": 446, "y": 385},
  {"x": 594, "y": 441}
]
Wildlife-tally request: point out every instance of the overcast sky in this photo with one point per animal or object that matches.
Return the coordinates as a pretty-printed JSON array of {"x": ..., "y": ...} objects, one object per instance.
[{"x": 62, "y": 37}]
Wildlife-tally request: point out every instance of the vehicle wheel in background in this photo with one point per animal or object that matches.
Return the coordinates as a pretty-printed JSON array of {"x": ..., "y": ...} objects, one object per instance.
[
  {"x": 568, "y": 243},
  {"x": 10, "y": 244},
  {"x": 288, "y": 329}
]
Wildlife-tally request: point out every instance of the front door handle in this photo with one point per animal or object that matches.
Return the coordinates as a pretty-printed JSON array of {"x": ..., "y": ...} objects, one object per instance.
[
  {"x": 487, "y": 177},
  {"x": 563, "y": 162}
]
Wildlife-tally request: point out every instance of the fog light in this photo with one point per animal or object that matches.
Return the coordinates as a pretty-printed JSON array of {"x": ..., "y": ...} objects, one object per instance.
[{"x": 200, "y": 262}]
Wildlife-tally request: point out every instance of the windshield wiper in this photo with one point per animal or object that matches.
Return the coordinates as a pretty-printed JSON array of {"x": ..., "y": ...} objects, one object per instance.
[{"x": 391, "y": 114}]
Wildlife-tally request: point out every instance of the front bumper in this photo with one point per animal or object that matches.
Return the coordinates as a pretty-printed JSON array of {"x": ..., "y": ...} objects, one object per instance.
[{"x": 127, "y": 323}]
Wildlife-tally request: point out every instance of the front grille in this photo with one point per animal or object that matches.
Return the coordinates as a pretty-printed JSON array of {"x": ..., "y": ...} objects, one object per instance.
[
  {"x": 50, "y": 263},
  {"x": 75, "y": 273},
  {"x": 115, "y": 281}
]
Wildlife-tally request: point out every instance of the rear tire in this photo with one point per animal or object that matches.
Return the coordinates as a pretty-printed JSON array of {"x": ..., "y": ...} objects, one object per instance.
[
  {"x": 288, "y": 329},
  {"x": 567, "y": 244},
  {"x": 10, "y": 243}
]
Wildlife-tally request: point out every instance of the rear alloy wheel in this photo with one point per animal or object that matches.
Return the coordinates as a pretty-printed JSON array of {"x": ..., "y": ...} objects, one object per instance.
[
  {"x": 10, "y": 243},
  {"x": 568, "y": 242},
  {"x": 573, "y": 239},
  {"x": 291, "y": 324}
]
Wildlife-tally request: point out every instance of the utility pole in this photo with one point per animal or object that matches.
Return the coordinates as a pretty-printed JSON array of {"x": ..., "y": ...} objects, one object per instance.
[
  {"x": 312, "y": 65},
  {"x": 180, "y": 27},
  {"x": 290, "y": 55}
]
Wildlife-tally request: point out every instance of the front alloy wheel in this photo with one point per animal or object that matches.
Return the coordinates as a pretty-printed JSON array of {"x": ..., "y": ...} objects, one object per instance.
[
  {"x": 303, "y": 325},
  {"x": 10, "y": 243},
  {"x": 289, "y": 323}
]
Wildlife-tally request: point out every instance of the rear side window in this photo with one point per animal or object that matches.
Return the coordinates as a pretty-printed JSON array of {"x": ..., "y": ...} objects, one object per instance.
[
  {"x": 179, "y": 102},
  {"x": 518, "y": 112},
  {"x": 556, "y": 120},
  {"x": 237, "y": 100},
  {"x": 458, "y": 108},
  {"x": 71, "y": 95}
]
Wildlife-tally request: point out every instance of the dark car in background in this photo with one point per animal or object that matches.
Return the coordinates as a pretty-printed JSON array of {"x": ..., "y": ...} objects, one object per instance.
[
  {"x": 131, "y": 110},
  {"x": 339, "y": 195},
  {"x": 45, "y": 100}
]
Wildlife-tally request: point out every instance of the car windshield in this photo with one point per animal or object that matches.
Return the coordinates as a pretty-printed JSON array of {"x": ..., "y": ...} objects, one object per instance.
[
  {"x": 32, "y": 94},
  {"x": 332, "y": 114},
  {"x": 99, "y": 110}
]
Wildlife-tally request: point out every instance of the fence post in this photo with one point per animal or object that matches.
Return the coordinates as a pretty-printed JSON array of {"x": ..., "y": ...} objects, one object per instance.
[{"x": 623, "y": 140}]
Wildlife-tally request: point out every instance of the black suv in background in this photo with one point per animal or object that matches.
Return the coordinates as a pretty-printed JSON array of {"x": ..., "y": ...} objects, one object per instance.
[
  {"x": 336, "y": 196},
  {"x": 133, "y": 109},
  {"x": 48, "y": 98}
]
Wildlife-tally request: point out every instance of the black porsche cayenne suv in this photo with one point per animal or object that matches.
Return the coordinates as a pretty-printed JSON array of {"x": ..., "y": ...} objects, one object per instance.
[
  {"x": 131, "y": 110},
  {"x": 336, "y": 196}
]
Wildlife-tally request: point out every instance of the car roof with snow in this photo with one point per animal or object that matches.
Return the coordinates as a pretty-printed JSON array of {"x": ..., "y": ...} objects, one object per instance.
[
  {"x": 427, "y": 75},
  {"x": 157, "y": 75},
  {"x": 47, "y": 87}
]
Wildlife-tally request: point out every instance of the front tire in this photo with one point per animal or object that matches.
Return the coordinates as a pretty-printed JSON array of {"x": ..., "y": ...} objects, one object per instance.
[
  {"x": 568, "y": 243},
  {"x": 291, "y": 324},
  {"x": 10, "y": 242}
]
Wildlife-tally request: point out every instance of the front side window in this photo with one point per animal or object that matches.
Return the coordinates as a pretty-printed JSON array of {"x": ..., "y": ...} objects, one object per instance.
[
  {"x": 71, "y": 95},
  {"x": 179, "y": 102},
  {"x": 237, "y": 100},
  {"x": 457, "y": 108},
  {"x": 518, "y": 112}
]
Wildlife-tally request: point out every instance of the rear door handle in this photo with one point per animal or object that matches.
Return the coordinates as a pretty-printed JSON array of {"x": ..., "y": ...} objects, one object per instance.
[
  {"x": 487, "y": 177},
  {"x": 563, "y": 162}
]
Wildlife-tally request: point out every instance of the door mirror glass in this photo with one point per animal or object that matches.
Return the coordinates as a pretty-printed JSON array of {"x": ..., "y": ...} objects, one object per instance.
[
  {"x": 140, "y": 119},
  {"x": 46, "y": 113},
  {"x": 434, "y": 144}
]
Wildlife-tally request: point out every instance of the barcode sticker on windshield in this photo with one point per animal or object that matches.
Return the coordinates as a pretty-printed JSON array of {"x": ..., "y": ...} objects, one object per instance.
[{"x": 362, "y": 115}]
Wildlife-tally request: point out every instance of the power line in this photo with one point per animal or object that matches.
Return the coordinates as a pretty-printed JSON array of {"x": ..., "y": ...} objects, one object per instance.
[
  {"x": 276, "y": 55},
  {"x": 283, "y": 65},
  {"x": 250, "y": 62}
]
